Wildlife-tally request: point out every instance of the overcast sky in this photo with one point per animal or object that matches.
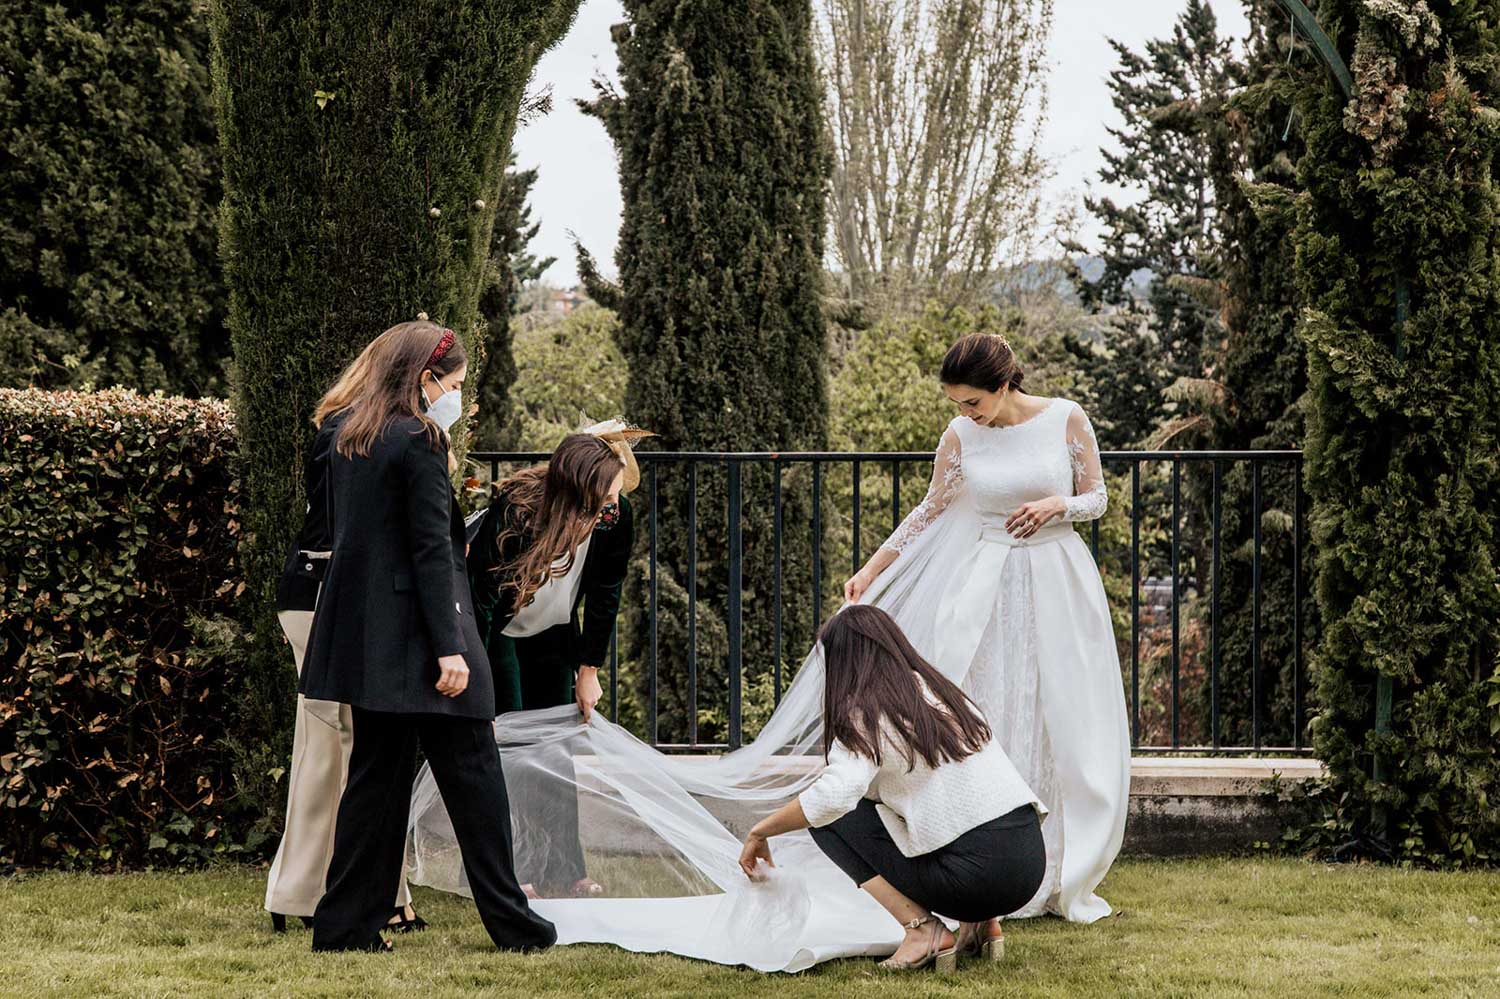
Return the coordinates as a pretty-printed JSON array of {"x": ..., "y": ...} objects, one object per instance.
[{"x": 577, "y": 189}]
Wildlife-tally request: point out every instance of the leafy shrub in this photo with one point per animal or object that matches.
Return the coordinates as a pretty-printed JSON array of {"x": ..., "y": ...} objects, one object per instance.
[{"x": 119, "y": 534}]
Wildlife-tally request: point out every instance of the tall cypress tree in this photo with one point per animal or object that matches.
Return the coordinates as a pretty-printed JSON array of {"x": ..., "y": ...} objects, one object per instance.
[
  {"x": 1252, "y": 375},
  {"x": 1261, "y": 366},
  {"x": 109, "y": 185},
  {"x": 723, "y": 166},
  {"x": 364, "y": 149},
  {"x": 1396, "y": 247},
  {"x": 1255, "y": 381}
]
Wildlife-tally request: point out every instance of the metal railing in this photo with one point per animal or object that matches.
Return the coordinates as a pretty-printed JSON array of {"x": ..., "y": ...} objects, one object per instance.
[{"x": 893, "y": 466}]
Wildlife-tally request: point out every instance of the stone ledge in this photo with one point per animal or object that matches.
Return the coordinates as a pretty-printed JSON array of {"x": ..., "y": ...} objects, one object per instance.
[
  {"x": 1181, "y": 807},
  {"x": 1155, "y": 776}
]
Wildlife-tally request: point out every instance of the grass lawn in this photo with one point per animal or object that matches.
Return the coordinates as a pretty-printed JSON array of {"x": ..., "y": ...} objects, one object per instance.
[{"x": 1186, "y": 928}]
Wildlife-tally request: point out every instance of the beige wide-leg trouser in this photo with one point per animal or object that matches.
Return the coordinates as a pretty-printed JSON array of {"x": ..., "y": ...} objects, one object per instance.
[{"x": 321, "y": 742}]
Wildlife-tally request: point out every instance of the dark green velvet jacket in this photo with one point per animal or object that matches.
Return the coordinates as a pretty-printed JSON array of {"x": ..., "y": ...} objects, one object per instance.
[{"x": 567, "y": 645}]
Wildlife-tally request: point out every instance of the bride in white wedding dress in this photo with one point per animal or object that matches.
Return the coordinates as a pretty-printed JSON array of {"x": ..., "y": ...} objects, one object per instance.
[{"x": 990, "y": 583}]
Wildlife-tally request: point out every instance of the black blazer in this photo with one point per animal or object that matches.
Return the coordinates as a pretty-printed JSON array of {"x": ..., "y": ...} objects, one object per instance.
[
  {"x": 599, "y": 590},
  {"x": 297, "y": 587},
  {"x": 396, "y": 596}
]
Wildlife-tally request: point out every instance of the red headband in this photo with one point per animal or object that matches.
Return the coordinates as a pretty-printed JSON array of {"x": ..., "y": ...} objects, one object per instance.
[{"x": 444, "y": 344}]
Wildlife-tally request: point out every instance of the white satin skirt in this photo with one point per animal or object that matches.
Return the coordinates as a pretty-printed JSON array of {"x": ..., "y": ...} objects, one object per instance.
[{"x": 1027, "y": 626}]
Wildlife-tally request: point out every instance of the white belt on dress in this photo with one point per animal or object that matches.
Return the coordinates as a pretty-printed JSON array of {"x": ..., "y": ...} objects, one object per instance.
[{"x": 1048, "y": 534}]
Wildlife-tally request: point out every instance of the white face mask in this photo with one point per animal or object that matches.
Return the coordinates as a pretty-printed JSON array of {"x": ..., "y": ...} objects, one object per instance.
[{"x": 447, "y": 409}]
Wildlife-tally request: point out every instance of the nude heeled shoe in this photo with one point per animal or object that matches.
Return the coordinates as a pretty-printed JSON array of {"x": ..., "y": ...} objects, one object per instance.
[
  {"x": 977, "y": 940},
  {"x": 943, "y": 960}
]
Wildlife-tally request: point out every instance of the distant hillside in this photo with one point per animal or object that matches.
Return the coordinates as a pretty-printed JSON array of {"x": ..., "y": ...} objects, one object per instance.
[{"x": 1051, "y": 276}]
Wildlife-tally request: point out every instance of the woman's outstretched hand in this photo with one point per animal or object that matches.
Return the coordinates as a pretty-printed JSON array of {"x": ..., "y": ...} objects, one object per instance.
[
  {"x": 587, "y": 691},
  {"x": 856, "y": 585},
  {"x": 454, "y": 679},
  {"x": 854, "y": 589},
  {"x": 757, "y": 848}
]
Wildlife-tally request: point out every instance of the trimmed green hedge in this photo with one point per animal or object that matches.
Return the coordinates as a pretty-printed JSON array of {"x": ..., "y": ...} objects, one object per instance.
[{"x": 119, "y": 535}]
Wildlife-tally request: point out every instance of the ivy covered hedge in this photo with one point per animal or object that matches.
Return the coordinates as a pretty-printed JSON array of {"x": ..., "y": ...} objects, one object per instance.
[
  {"x": 1397, "y": 245},
  {"x": 119, "y": 671}
]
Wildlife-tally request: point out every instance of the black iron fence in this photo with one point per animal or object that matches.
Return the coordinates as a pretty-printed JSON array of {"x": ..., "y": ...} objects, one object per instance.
[{"x": 1203, "y": 672}]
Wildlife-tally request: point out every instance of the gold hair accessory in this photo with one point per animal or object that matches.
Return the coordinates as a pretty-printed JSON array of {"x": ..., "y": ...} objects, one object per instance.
[{"x": 621, "y": 438}]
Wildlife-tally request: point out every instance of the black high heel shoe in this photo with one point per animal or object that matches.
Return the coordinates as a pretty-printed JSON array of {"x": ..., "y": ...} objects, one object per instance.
[
  {"x": 278, "y": 922},
  {"x": 401, "y": 924}
]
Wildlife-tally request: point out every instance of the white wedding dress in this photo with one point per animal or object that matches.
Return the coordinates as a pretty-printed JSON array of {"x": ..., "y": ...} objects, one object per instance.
[{"x": 1022, "y": 625}]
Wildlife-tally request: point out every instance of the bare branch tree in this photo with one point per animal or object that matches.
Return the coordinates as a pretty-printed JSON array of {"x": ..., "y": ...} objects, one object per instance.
[{"x": 935, "y": 109}]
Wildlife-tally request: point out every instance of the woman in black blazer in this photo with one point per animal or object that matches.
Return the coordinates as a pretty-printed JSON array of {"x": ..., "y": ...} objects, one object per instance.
[
  {"x": 555, "y": 537},
  {"x": 395, "y": 638},
  {"x": 324, "y": 732}
]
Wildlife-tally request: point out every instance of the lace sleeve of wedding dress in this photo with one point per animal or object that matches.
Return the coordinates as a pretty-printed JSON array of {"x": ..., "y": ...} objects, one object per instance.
[
  {"x": 1089, "y": 496},
  {"x": 947, "y": 482}
]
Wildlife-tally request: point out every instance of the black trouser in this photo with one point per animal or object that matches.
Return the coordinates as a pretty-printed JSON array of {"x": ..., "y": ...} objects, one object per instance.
[
  {"x": 369, "y": 839},
  {"x": 991, "y": 870},
  {"x": 548, "y": 852}
]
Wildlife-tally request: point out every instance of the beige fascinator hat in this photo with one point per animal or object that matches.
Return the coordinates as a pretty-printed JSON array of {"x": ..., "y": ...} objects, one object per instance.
[{"x": 621, "y": 438}]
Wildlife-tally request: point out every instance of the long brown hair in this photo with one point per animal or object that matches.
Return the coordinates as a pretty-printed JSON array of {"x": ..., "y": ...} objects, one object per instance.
[
  {"x": 552, "y": 508},
  {"x": 870, "y": 679},
  {"x": 385, "y": 382},
  {"x": 982, "y": 360}
]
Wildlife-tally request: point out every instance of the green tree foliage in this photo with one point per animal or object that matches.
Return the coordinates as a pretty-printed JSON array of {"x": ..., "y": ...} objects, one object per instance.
[
  {"x": 1170, "y": 230},
  {"x": 1396, "y": 252},
  {"x": 723, "y": 167},
  {"x": 1247, "y": 398},
  {"x": 571, "y": 371},
  {"x": 1259, "y": 381},
  {"x": 109, "y": 187},
  {"x": 364, "y": 151},
  {"x": 1250, "y": 370},
  {"x": 886, "y": 396},
  {"x": 511, "y": 266}
]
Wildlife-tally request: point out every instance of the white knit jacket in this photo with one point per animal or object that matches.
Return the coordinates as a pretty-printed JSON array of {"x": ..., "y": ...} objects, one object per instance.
[{"x": 923, "y": 808}]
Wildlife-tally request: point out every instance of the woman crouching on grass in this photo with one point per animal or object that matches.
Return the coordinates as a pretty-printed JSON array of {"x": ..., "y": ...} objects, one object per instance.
[{"x": 918, "y": 803}]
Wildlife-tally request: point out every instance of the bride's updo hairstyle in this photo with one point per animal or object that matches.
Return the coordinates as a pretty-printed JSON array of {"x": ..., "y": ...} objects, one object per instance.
[{"x": 983, "y": 361}]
